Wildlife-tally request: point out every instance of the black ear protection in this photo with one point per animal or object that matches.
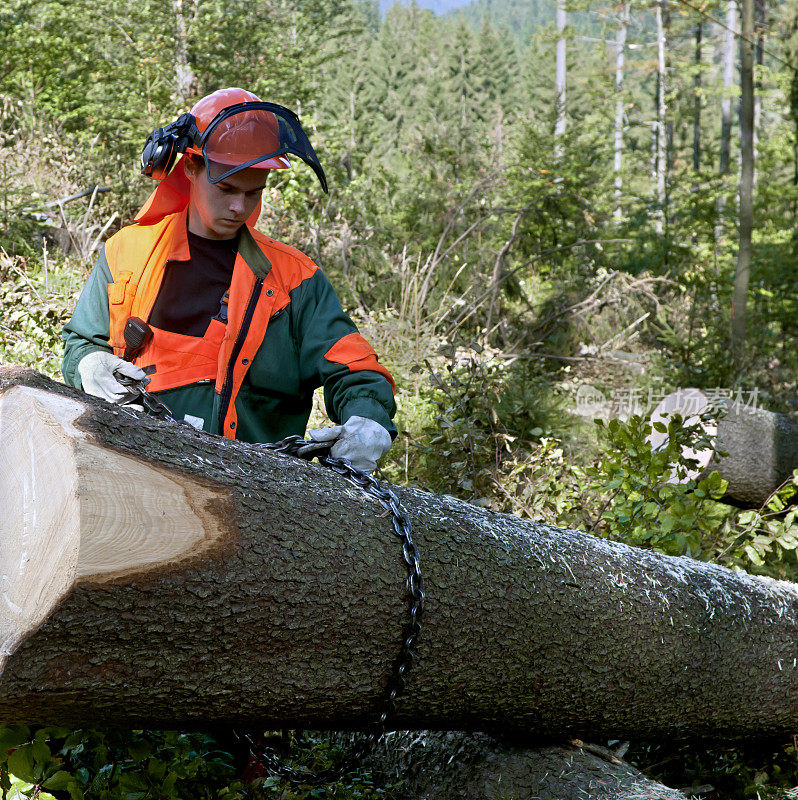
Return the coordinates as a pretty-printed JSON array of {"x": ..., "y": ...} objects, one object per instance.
[{"x": 163, "y": 145}]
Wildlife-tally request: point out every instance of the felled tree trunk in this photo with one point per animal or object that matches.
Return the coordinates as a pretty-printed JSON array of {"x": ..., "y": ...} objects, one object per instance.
[
  {"x": 761, "y": 447},
  {"x": 153, "y": 575},
  {"x": 763, "y": 452},
  {"x": 454, "y": 765}
]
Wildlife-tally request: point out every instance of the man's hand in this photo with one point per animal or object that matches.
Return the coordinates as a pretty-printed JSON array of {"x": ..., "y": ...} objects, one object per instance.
[
  {"x": 359, "y": 439},
  {"x": 97, "y": 376}
]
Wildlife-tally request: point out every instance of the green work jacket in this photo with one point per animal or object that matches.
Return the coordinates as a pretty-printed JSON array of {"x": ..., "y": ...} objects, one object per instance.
[{"x": 307, "y": 343}]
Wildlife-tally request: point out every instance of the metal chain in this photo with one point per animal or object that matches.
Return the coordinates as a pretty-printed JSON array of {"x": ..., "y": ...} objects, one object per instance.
[
  {"x": 153, "y": 405},
  {"x": 299, "y": 447},
  {"x": 308, "y": 450},
  {"x": 296, "y": 446}
]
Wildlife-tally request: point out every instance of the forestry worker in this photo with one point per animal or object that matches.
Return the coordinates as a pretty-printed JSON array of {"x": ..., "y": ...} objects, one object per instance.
[{"x": 243, "y": 328}]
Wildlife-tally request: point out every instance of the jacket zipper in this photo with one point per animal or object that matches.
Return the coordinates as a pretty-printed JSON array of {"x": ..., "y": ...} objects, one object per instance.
[{"x": 227, "y": 388}]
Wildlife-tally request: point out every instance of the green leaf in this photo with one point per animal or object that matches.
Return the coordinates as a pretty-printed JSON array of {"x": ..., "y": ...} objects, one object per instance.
[
  {"x": 75, "y": 791},
  {"x": 60, "y": 780},
  {"x": 139, "y": 750},
  {"x": 168, "y": 785},
  {"x": 753, "y": 556},
  {"x": 21, "y": 763},
  {"x": 41, "y": 752},
  {"x": 132, "y": 782},
  {"x": 52, "y": 733},
  {"x": 12, "y": 736},
  {"x": 667, "y": 523}
]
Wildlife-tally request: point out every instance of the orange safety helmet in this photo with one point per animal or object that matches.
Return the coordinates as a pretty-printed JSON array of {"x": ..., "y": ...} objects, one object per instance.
[
  {"x": 241, "y": 137},
  {"x": 231, "y": 129}
]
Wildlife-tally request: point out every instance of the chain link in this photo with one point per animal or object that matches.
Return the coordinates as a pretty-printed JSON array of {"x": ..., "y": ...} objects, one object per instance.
[
  {"x": 153, "y": 405},
  {"x": 296, "y": 446},
  {"x": 299, "y": 447},
  {"x": 308, "y": 450}
]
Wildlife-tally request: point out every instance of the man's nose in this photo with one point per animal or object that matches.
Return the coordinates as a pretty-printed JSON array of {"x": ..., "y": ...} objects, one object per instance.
[{"x": 237, "y": 203}]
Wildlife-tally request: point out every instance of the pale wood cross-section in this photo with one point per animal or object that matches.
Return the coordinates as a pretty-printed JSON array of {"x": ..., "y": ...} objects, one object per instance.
[{"x": 74, "y": 510}]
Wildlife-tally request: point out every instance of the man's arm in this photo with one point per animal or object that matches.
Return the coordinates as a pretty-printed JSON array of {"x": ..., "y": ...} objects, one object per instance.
[
  {"x": 88, "y": 329},
  {"x": 334, "y": 355}
]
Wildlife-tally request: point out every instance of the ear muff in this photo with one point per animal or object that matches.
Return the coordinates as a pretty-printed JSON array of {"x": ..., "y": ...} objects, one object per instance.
[{"x": 164, "y": 144}]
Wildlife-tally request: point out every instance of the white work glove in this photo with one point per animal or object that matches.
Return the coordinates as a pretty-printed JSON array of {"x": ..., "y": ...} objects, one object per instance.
[
  {"x": 359, "y": 439},
  {"x": 97, "y": 376}
]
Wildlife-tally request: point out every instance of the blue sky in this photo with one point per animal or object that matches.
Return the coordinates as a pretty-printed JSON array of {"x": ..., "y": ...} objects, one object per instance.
[{"x": 438, "y": 6}]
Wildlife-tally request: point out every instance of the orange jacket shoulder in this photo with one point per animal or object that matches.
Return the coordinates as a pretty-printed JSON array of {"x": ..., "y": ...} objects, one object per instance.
[
  {"x": 133, "y": 244},
  {"x": 291, "y": 266}
]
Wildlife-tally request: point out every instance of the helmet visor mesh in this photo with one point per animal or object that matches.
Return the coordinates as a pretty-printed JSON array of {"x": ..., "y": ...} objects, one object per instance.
[{"x": 255, "y": 134}]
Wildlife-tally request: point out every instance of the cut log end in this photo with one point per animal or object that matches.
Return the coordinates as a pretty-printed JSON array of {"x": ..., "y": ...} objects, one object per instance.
[
  {"x": 75, "y": 511},
  {"x": 40, "y": 524}
]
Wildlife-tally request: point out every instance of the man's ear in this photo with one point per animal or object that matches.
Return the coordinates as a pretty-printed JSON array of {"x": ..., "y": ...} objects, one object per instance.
[{"x": 191, "y": 168}]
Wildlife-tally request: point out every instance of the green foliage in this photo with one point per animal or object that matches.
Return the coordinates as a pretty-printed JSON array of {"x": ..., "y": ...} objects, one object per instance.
[
  {"x": 156, "y": 765},
  {"x": 36, "y": 301},
  {"x": 112, "y": 765},
  {"x": 653, "y": 501},
  {"x": 766, "y": 539}
]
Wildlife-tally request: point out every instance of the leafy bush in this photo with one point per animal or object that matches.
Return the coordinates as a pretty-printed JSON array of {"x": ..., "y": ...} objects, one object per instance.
[
  {"x": 653, "y": 502},
  {"x": 156, "y": 765},
  {"x": 36, "y": 301}
]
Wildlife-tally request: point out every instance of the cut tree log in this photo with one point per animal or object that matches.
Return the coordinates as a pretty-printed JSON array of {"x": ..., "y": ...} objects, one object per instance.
[
  {"x": 762, "y": 446},
  {"x": 157, "y": 576},
  {"x": 454, "y": 765}
]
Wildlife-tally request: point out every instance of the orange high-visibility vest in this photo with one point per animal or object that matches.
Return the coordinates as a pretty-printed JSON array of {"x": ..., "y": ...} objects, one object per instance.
[{"x": 264, "y": 274}]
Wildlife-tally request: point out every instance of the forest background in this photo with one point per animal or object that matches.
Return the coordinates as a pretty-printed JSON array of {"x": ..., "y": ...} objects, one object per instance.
[{"x": 512, "y": 237}]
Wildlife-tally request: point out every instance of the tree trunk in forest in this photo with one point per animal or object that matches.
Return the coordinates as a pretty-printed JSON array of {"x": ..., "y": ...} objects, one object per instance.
[
  {"x": 620, "y": 44},
  {"x": 728, "y": 85},
  {"x": 662, "y": 81},
  {"x": 726, "y": 109},
  {"x": 697, "y": 99},
  {"x": 740, "y": 293},
  {"x": 184, "y": 74},
  {"x": 559, "y": 79},
  {"x": 158, "y": 576},
  {"x": 759, "y": 58},
  {"x": 453, "y": 766}
]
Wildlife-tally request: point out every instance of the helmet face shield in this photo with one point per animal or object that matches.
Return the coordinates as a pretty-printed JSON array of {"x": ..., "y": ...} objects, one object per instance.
[{"x": 255, "y": 134}]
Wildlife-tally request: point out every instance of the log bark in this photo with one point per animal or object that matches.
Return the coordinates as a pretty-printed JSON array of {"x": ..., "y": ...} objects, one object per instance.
[
  {"x": 157, "y": 576},
  {"x": 453, "y": 765}
]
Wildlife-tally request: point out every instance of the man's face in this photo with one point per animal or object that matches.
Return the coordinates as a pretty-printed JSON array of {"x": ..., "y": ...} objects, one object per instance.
[{"x": 218, "y": 210}]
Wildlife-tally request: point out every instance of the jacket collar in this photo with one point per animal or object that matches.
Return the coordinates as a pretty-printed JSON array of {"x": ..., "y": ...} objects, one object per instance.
[
  {"x": 248, "y": 248},
  {"x": 252, "y": 253}
]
